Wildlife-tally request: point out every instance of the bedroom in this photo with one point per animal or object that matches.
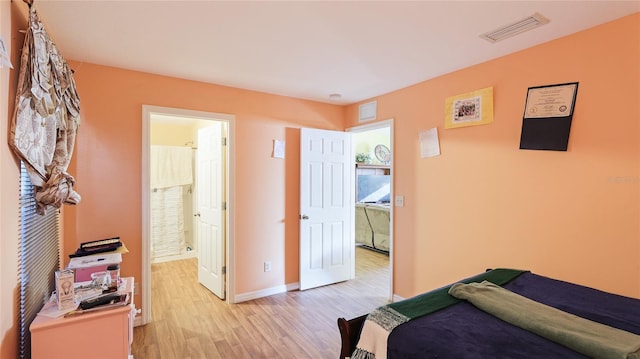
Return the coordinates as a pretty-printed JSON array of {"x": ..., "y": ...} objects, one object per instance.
[{"x": 484, "y": 202}]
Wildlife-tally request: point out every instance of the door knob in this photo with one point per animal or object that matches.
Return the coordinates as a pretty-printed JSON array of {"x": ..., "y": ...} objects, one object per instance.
[
  {"x": 304, "y": 216},
  {"x": 197, "y": 214}
]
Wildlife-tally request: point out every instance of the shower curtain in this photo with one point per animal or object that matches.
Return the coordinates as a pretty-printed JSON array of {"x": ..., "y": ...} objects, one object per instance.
[
  {"x": 171, "y": 170},
  {"x": 167, "y": 222}
]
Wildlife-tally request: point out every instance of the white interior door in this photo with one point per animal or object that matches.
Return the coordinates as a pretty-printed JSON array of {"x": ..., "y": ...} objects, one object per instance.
[
  {"x": 326, "y": 208},
  {"x": 210, "y": 209}
]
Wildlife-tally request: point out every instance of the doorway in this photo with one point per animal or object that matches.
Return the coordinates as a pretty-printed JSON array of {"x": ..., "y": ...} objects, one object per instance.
[
  {"x": 329, "y": 250},
  {"x": 176, "y": 133},
  {"x": 373, "y": 143}
]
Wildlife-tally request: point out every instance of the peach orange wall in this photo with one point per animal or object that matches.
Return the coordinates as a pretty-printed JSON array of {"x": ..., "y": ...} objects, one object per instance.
[
  {"x": 484, "y": 203},
  {"x": 107, "y": 165},
  {"x": 171, "y": 134}
]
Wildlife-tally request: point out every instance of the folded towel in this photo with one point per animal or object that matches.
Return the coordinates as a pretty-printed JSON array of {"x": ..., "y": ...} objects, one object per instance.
[{"x": 171, "y": 166}]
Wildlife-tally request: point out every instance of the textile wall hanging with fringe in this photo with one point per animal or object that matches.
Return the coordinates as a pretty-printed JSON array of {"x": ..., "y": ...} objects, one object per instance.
[{"x": 46, "y": 117}]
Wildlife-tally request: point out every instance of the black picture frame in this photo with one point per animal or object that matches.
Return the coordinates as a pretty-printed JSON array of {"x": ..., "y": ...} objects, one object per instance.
[{"x": 546, "y": 122}]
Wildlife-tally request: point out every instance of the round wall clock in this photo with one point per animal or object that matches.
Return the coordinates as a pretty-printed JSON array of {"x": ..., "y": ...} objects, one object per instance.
[{"x": 383, "y": 153}]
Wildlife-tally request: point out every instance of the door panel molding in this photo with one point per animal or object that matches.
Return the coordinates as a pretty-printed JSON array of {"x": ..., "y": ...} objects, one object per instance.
[{"x": 326, "y": 206}]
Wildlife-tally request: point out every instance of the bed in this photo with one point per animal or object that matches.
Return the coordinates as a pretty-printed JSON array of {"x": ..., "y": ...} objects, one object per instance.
[{"x": 501, "y": 313}]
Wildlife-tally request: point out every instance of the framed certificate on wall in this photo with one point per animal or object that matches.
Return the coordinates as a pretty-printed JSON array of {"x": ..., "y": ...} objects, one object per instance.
[{"x": 548, "y": 112}]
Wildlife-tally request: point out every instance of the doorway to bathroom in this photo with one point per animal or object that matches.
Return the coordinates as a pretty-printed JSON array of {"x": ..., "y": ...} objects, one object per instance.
[{"x": 186, "y": 188}]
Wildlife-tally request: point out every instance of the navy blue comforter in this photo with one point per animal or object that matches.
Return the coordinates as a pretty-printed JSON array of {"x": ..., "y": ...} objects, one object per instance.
[{"x": 464, "y": 332}]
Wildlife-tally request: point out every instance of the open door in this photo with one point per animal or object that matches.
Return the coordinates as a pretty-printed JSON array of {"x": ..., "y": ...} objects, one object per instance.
[
  {"x": 210, "y": 209},
  {"x": 326, "y": 208}
]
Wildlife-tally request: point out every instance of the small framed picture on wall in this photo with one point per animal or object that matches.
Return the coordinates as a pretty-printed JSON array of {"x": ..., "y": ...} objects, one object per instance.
[{"x": 469, "y": 109}]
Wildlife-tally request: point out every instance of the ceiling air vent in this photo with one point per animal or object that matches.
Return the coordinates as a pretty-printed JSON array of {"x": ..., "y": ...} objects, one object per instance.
[{"x": 526, "y": 24}]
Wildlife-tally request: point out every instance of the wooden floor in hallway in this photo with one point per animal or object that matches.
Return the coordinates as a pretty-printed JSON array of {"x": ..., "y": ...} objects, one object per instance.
[{"x": 189, "y": 322}]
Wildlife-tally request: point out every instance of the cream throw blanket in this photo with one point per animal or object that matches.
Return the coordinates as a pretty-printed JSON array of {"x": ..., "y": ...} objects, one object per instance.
[
  {"x": 584, "y": 336},
  {"x": 375, "y": 333}
]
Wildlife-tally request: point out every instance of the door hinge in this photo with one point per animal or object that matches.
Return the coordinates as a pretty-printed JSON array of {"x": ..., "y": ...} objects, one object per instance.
[
  {"x": 224, "y": 141},
  {"x": 224, "y": 270},
  {"x": 224, "y": 206}
]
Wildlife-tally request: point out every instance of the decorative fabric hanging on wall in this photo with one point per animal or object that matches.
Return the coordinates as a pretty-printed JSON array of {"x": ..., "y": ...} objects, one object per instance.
[{"x": 46, "y": 117}]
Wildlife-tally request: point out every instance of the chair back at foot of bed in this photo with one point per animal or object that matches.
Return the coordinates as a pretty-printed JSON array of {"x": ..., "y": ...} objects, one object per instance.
[{"x": 350, "y": 334}]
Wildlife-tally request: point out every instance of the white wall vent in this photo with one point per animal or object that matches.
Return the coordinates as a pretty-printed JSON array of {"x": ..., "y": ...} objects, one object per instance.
[
  {"x": 368, "y": 111},
  {"x": 526, "y": 24}
]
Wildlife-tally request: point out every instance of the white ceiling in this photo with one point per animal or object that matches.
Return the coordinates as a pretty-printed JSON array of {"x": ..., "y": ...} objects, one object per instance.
[{"x": 307, "y": 49}]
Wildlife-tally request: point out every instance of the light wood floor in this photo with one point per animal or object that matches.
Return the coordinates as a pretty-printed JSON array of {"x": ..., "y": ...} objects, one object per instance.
[{"x": 190, "y": 322}]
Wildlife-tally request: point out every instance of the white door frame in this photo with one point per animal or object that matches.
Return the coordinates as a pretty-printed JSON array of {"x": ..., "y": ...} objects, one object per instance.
[
  {"x": 147, "y": 111},
  {"x": 369, "y": 127}
]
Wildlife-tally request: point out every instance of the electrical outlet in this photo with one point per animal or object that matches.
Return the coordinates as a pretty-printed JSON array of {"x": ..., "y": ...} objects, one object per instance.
[{"x": 267, "y": 266}]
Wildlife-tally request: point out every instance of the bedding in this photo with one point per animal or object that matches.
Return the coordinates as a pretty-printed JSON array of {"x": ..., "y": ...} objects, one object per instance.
[
  {"x": 582, "y": 335},
  {"x": 458, "y": 329}
]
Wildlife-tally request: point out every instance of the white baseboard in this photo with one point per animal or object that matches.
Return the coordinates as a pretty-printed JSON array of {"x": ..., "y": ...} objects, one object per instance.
[
  {"x": 243, "y": 297},
  {"x": 177, "y": 257}
]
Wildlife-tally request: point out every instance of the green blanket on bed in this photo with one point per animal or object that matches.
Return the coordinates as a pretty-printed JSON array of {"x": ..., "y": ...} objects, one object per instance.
[
  {"x": 437, "y": 299},
  {"x": 380, "y": 322},
  {"x": 582, "y": 335}
]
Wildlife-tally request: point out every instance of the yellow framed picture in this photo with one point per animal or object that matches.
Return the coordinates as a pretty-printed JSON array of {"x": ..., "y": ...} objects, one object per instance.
[{"x": 469, "y": 109}]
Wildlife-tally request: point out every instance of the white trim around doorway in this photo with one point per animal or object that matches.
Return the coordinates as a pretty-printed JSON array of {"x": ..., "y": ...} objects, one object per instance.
[
  {"x": 147, "y": 111},
  {"x": 373, "y": 126}
]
